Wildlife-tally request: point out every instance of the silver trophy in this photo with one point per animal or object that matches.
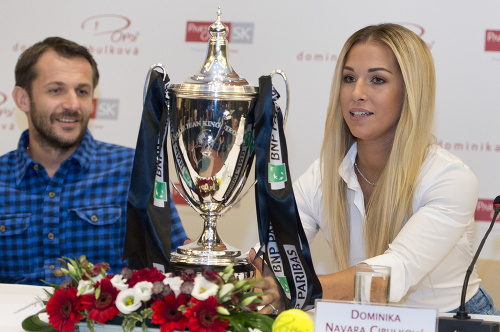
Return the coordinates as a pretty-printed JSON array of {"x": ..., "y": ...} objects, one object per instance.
[{"x": 211, "y": 132}]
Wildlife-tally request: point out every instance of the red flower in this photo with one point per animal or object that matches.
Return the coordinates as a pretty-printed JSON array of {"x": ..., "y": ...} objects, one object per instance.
[
  {"x": 145, "y": 274},
  {"x": 96, "y": 270},
  {"x": 212, "y": 276},
  {"x": 204, "y": 318},
  {"x": 63, "y": 309},
  {"x": 103, "y": 308},
  {"x": 166, "y": 313}
]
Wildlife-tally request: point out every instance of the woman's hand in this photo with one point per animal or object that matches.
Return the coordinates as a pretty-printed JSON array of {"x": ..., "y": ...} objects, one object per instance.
[{"x": 273, "y": 293}]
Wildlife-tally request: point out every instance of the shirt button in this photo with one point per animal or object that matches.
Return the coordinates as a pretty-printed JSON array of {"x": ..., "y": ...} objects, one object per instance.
[
  {"x": 52, "y": 267},
  {"x": 52, "y": 194},
  {"x": 36, "y": 167},
  {"x": 94, "y": 218},
  {"x": 3, "y": 228},
  {"x": 50, "y": 236}
]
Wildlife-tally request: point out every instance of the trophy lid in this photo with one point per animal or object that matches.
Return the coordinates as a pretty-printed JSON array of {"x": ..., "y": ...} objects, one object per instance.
[{"x": 216, "y": 77}]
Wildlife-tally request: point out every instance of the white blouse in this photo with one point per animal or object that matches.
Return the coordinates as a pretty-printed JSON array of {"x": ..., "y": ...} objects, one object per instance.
[{"x": 431, "y": 254}]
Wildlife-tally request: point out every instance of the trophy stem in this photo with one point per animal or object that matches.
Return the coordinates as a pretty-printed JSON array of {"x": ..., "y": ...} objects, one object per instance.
[{"x": 209, "y": 238}]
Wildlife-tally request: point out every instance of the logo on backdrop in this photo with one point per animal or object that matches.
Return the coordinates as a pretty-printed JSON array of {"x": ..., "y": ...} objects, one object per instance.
[
  {"x": 492, "y": 42},
  {"x": 3, "y": 98},
  {"x": 239, "y": 33},
  {"x": 7, "y": 122},
  {"x": 107, "y": 109},
  {"x": 468, "y": 146},
  {"x": 112, "y": 34},
  {"x": 484, "y": 210},
  {"x": 328, "y": 57}
]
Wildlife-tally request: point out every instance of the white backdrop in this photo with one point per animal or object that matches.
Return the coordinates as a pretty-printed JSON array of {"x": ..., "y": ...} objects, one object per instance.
[{"x": 301, "y": 38}]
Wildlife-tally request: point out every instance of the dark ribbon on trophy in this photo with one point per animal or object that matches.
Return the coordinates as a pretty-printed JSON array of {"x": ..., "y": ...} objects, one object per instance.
[
  {"x": 148, "y": 236},
  {"x": 283, "y": 241}
]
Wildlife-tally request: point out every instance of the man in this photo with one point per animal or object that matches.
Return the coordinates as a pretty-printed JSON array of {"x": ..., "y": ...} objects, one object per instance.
[{"x": 62, "y": 193}]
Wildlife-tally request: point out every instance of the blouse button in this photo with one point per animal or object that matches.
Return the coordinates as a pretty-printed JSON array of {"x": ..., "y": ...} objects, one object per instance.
[
  {"x": 50, "y": 236},
  {"x": 52, "y": 194},
  {"x": 36, "y": 167},
  {"x": 3, "y": 228},
  {"x": 93, "y": 218}
]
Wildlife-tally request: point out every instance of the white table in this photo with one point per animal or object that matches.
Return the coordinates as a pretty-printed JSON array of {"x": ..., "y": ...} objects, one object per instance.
[{"x": 18, "y": 302}]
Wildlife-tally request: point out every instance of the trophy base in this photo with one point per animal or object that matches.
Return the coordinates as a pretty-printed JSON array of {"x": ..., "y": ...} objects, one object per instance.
[
  {"x": 240, "y": 271},
  {"x": 195, "y": 257}
]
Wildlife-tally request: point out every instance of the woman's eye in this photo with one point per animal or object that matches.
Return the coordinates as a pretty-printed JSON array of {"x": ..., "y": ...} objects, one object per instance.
[
  {"x": 378, "y": 80},
  {"x": 349, "y": 79}
]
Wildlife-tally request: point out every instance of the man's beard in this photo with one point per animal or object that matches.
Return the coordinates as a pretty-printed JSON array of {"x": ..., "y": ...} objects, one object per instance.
[{"x": 48, "y": 135}]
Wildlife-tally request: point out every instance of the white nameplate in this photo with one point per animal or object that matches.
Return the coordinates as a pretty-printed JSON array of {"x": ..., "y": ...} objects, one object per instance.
[{"x": 333, "y": 316}]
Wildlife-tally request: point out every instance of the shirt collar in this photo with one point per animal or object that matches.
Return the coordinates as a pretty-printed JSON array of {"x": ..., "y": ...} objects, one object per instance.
[{"x": 82, "y": 156}]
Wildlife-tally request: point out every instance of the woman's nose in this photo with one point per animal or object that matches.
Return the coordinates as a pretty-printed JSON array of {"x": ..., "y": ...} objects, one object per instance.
[{"x": 359, "y": 91}]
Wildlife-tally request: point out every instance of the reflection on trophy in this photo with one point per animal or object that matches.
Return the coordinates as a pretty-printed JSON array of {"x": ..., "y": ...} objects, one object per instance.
[{"x": 211, "y": 125}]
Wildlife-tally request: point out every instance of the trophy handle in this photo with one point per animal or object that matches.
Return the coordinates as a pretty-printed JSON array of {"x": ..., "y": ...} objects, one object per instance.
[
  {"x": 242, "y": 195},
  {"x": 282, "y": 74},
  {"x": 180, "y": 193},
  {"x": 148, "y": 76},
  {"x": 285, "y": 117}
]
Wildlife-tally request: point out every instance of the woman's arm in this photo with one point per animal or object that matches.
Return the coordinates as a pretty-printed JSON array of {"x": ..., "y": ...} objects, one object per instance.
[{"x": 338, "y": 286}]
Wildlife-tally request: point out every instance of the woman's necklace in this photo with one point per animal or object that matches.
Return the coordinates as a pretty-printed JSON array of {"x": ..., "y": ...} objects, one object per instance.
[{"x": 369, "y": 182}]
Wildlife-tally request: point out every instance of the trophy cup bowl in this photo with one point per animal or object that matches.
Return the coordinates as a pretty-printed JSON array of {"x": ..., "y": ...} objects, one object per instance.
[{"x": 211, "y": 133}]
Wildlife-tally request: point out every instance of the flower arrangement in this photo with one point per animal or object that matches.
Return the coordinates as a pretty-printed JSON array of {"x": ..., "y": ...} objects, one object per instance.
[
  {"x": 208, "y": 186},
  {"x": 206, "y": 301}
]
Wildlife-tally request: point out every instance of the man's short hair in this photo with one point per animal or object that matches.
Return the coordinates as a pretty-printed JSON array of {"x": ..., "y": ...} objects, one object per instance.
[{"x": 26, "y": 71}]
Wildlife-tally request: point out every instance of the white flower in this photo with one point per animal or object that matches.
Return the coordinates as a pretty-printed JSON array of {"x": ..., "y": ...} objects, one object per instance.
[
  {"x": 128, "y": 301},
  {"x": 97, "y": 278},
  {"x": 203, "y": 288},
  {"x": 175, "y": 284},
  {"x": 85, "y": 287},
  {"x": 253, "y": 330},
  {"x": 118, "y": 282},
  {"x": 144, "y": 289}
]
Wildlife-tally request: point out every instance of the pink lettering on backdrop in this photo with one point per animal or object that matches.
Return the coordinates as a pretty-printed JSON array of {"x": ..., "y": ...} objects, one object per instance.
[{"x": 492, "y": 42}]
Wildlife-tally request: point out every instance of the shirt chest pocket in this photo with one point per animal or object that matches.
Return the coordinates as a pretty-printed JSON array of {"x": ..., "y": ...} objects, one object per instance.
[
  {"x": 14, "y": 224},
  {"x": 16, "y": 245},
  {"x": 100, "y": 215}
]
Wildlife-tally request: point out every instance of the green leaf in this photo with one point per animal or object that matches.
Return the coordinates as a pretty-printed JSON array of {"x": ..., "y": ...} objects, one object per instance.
[
  {"x": 90, "y": 325},
  {"x": 98, "y": 292},
  {"x": 136, "y": 317},
  {"x": 146, "y": 313},
  {"x": 35, "y": 324},
  {"x": 242, "y": 321},
  {"x": 55, "y": 286},
  {"x": 129, "y": 325}
]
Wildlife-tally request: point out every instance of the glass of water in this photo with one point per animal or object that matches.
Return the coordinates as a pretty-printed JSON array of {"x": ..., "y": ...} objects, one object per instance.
[{"x": 371, "y": 283}]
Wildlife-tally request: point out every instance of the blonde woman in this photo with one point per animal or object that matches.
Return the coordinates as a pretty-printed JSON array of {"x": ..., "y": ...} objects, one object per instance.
[{"x": 381, "y": 190}]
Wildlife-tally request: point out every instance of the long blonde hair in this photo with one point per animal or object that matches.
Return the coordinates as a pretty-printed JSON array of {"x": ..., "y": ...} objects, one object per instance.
[{"x": 391, "y": 201}]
